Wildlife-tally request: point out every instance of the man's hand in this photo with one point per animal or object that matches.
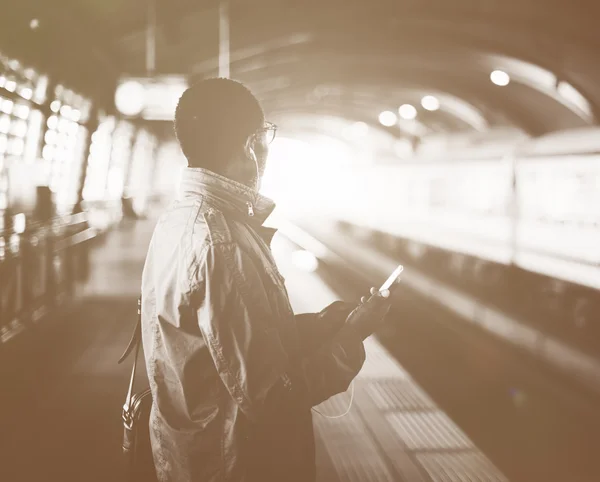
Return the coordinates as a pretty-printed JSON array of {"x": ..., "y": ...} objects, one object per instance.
[{"x": 371, "y": 311}]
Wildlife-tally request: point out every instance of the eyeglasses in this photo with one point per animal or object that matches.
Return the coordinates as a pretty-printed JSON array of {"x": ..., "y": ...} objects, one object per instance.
[{"x": 269, "y": 129}]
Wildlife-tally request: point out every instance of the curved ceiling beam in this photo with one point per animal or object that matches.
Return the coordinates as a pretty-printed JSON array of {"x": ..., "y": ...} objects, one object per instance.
[
  {"x": 455, "y": 85},
  {"x": 434, "y": 25},
  {"x": 442, "y": 29},
  {"x": 348, "y": 111},
  {"x": 502, "y": 25},
  {"x": 545, "y": 82},
  {"x": 463, "y": 110},
  {"x": 465, "y": 38}
]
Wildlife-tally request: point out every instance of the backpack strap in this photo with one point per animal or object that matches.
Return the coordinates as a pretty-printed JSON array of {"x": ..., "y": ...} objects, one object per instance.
[{"x": 134, "y": 343}]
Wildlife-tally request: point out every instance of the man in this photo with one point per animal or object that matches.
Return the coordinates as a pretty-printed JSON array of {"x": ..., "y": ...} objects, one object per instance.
[{"x": 233, "y": 372}]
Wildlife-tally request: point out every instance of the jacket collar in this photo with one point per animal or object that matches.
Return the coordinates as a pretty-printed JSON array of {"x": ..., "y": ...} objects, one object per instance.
[{"x": 231, "y": 197}]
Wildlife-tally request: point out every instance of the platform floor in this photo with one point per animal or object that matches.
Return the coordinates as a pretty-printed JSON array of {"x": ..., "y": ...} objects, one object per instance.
[{"x": 60, "y": 420}]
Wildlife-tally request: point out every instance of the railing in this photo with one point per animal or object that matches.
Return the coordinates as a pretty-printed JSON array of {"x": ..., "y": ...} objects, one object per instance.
[{"x": 40, "y": 269}]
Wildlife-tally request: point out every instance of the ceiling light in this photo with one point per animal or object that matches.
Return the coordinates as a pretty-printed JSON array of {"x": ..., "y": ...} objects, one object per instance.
[
  {"x": 388, "y": 118},
  {"x": 499, "y": 77},
  {"x": 429, "y": 102},
  {"x": 407, "y": 112},
  {"x": 130, "y": 98}
]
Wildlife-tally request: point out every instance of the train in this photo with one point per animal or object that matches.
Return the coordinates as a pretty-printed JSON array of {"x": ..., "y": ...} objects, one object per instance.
[{"x": 525, "y": 220}]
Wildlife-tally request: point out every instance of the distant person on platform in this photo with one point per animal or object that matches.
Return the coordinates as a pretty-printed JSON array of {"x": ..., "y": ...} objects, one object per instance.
[{"x": 233, "y": 372}]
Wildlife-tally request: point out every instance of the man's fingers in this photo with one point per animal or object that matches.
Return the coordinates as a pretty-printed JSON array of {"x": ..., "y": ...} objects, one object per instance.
[
  {"x": 381, "y": 294},
  {"x": 376, "y": 293}
]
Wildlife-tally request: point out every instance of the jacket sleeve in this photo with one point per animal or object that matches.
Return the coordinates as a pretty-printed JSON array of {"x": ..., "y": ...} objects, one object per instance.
[
  {"x": 235, "y": 320},
  {"x": 332, "y": 353}
]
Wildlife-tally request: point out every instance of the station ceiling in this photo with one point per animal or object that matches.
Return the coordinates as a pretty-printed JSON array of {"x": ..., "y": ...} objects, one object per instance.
[{"x": 348, "y": 58}]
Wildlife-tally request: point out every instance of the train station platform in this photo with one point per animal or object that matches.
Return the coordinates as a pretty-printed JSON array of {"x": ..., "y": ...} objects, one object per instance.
[{"x": 61, "y": 414}]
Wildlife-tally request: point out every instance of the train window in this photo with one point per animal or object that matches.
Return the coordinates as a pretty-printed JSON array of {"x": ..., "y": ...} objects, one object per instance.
[
  {"x": 4, "y": 124},
  {"x": 63, "y": 145},
  {"x": 22, "y": 111},
  {"x": 10, "y": 85},
  {"x": 7, "y": 106},
  {"x": 15, "y": 113},
  {"x": 14, "y": 124}
]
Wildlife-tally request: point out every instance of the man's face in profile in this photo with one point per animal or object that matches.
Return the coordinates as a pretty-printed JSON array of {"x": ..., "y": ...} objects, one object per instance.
[{"x": 261, "y": 150}]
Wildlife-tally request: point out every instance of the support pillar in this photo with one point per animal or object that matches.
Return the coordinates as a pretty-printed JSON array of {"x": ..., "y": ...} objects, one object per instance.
[{"x": 224, "y": 38}]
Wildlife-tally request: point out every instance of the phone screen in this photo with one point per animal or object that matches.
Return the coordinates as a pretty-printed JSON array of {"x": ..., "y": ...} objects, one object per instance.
[{"x": 393, "y": 277}]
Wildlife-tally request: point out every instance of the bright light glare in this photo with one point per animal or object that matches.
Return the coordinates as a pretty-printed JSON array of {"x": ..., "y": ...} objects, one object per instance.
[
  {"x": 17, "y": 146},
  {"x": 403, "y": 148},
  {"x": 27, "y": 93},
  {"x": 114, "y": 183},
  {"x": 4, "y": 124},
  {"x": 48, "y": 153},
  {"x": 22, "y": 111},
  {"x": 284, "y": 155},
  {"x": 499, "y": 77},
  {"x": 129, "y": 98},
  {"x": 52, "y": 122},
  {"x": 305, "y": 260},
  {"x": 431, "y": 103},
  {"x": 388, "y": 118},
  {"x": 407, "y": 112},
  {"x": 65, "y": 110},
  {"x": 359, "y": 129},
  {"x": 20, "y": 128},
  {"x": 297, "y": 171},
  {"x": 19, "y": 222},
  {"x": 7, "y": 106}
]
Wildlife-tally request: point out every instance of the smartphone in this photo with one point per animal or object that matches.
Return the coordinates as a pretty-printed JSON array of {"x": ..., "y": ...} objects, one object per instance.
[{"x": 392, "y": 279}]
